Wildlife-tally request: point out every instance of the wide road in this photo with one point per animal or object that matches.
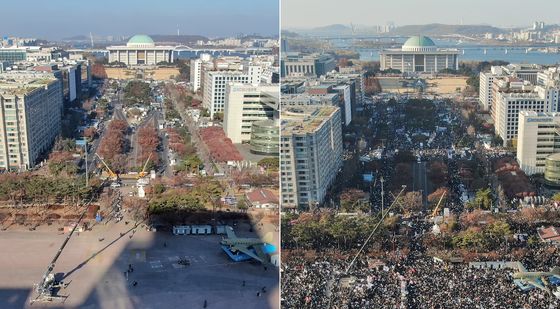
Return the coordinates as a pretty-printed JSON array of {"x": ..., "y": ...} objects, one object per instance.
[{"x": 420, "y": 180}]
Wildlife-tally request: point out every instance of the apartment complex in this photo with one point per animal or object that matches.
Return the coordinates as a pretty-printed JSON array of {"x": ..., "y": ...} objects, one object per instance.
[
  {"x": 310, "y": 153},
  {"x": 30, "y": 116},
  {"x": 246, "y": 104}
]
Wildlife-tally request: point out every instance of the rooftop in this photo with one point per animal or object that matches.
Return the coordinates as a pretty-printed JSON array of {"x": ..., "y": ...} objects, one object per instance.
[
  {"x": 140, "y": 39},
  {"x": 419, "y": 41},
  {"x": 20, "y": 83},
  {"x": 305, "y": 119}
]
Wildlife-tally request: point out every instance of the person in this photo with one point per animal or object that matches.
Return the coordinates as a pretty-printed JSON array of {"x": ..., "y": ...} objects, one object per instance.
[
  {"x": 205, "y": 303},
  {"x": 164, "y": 244},
  {"x": 243, "y": 282},
  {"x": 258, "y": 294},
  {"x": 134, "y": 283}
]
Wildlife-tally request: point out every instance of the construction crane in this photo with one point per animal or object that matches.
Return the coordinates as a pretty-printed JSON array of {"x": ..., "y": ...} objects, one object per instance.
[
  {"x": 112, "y": 175},
  {"x": 143, "y": 173},
  {"x": 48, "y": 286},
  {"x": 434, "y": 213}
]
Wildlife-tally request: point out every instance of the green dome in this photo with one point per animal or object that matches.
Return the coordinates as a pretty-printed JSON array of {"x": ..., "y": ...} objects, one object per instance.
[
  {"x": 419, "y": 41},
  {"x": 140, "y": 39}
]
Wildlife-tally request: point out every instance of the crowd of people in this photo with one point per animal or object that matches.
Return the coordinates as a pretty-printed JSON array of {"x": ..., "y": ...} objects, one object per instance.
[{"x": 413, "y": 281}]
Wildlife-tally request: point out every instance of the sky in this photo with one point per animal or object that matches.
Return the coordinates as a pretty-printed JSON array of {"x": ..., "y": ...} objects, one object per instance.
[
  {"x": 56, "y": 19},
  {"x": 503, "y": 13}
]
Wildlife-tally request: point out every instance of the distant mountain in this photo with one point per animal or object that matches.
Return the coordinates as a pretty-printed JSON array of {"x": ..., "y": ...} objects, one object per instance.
[
  {"x": 289, "y": 34},
  {"x": 336, "y": 29},
  {"x": 181, "y": 39},
  {"x": 441, "y": 29},
  {"x": 429, "y": 30},
  {"x": 76, "y": 38},
  {"x": 333, "y": 28}
]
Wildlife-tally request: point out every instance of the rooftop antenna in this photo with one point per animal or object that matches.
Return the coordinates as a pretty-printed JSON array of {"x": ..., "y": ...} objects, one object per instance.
[{"x": 91, "y": 38}]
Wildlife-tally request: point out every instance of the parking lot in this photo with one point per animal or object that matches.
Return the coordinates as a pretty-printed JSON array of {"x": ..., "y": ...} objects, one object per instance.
[{"x": 96, "y": 270}]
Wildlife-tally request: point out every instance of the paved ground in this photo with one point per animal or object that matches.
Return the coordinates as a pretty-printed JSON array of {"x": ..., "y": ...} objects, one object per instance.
[
  {"x": 419, "y": 179},
  {"x": 96, "y": 269}
]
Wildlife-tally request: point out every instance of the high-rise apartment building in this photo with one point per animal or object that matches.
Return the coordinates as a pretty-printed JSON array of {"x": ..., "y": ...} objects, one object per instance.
[
  {"x": 30, "y": 117},
  {"x": 310, "y": 153}
]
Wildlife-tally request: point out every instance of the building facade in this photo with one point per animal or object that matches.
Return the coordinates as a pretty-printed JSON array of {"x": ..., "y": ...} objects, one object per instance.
[
  {"x": 510, "y": 95},
  {"x": 12, "y": 55},
  {"x": 419, "y": 54},
  {"x": 507, "y": 107},
  {"x": 196, "y": 70},
  {"x": 246, "y": 104},
  {"x": 215, "y": 82},
  {"x": 296, "y": 64},
  {"x": 538, "y": 138},
  {"x": 310, "y": 153},
  {"x": 140, "y": 50},
  {"x": 522, "y": 72},
  {"x": 30, "y": 117},
  {"x": 265, "y": 137}
]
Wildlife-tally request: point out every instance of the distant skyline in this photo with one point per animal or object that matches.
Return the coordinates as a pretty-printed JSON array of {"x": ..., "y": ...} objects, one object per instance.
[
  {"x": 500, "y": 13},
  {"x": 57, "y": 19}
]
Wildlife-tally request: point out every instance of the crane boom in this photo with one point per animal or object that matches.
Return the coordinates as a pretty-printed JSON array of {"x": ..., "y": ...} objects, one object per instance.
[
  {"x": 143, "y": 172},
  {"x": 111, "y": 173},
  {"x": 439, "y": 202},
  {"x": 44, "y": 287}
]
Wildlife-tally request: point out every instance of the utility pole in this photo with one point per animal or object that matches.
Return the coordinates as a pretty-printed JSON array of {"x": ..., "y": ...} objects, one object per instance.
[
  {"x": 87, "y": 175},
  {"x": 382, "y": 194}
]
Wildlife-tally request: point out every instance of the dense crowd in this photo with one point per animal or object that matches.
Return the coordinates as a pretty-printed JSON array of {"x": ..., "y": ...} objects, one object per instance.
[{"x": 415, "y": 281}]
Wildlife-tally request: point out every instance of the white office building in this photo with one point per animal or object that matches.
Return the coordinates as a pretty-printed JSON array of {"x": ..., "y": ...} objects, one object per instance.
[
  {"x": 246, "y": 104},
  {"x": 310, "y": 153},
  {"x": 215, "y": 83},
  {"x": 508, "y": 106},
  {"x": 485, "y": 90},
  {"x": 522, "y": 72},
  {"x": 196, "y": 70},
  {"x": 538, "y": 138},
  {"x": 510, "y": 95}
]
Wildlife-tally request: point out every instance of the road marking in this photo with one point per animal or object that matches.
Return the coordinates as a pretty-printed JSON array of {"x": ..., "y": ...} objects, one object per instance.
[
  {"x": 156, "y": 264},
  {"x": 203, "y": 259}
]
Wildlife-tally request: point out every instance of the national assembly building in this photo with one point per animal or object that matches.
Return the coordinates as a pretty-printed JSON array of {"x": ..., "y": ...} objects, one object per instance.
[
  {"x": 419, "y": 54},
  {"x": 140, "y": 50}
]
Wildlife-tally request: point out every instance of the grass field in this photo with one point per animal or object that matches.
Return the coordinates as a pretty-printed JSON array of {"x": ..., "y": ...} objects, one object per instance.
[{"x": 440, "y": 85}]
